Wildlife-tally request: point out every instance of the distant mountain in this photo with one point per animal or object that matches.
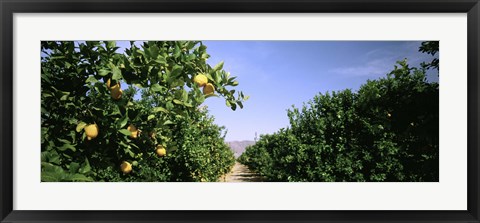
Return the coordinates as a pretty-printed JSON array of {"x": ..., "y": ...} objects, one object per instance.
[{"x": 238, "y": 147}]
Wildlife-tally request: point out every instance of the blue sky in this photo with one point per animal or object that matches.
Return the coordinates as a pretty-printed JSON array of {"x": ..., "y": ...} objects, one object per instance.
[{"x": 279, "y": 74}]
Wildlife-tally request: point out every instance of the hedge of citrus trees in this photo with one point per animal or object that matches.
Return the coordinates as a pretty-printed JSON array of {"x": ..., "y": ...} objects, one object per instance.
[
  {"x": 137, "y": 115},
  {"x": 387, "y": 131}
]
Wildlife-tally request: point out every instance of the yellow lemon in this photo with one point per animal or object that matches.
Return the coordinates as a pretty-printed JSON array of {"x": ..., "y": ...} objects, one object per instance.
[
  {"x": 116, "y": 86},
  {"x": 126, "y": 167},
  {"x": 161, "y": 151},
  {"x": 108, "y": 83},
  {"x": 201, "y": 80},
  {"x": 91, "y": 131},
  {"x": 116, "y": 93},
  {"x": 134, "y": 131},
  {"x": 208, "y": 89}
]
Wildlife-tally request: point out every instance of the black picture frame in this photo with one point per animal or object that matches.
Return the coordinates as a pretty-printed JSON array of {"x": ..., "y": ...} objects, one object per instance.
[{"x": 9, "y": 7}]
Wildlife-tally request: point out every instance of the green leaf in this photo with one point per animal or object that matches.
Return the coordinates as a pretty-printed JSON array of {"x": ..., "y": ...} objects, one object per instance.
[
  {"x": 51, "y": 157},
  {"x": 184, "y": 96},
  {"x": 54, "y": 158},
  {"x": 178, "y": 102},
  {"x": 64, "y": 97},
  {"x": 147, "y": 53},
  {"x": 160, "y": 109},
  {"x": 209, "y": 76},
  {"x": 176, "y": 51},
  {"x": 91, "y": 79},
  {"x": 44, "y": 156},
  {"x": 127, "y": 149},
  {"x": 161, "y": 60},
  {"x": 150, "y": 117},
  {"x": 85, "y": 167},
  {"x": 154, "y": 51},
  {"x": 169, "y": 106},
  {"x": 176, "y": 70},
  {"x": 103, "y": 72},
  {"x": 79, "y": 178},
  {"x": 156, "y": 88},
  {"x": 178, "y": 82},
  {"x": 133, "y": 145},
  {"x": 217, "y": 77},
  {"x": 111, "y": 44},
  {"x": 199, "y": 99},
  {"x": 117, "y": 74},
  {"x": 191, "y": 57},
  {"x": 130, "y": 153},
  {"x": 52, "y": 173},
  {"x": 240, "y": 104},
  {"x": 219, "y": 66},
  {"x": 73, "y": 167},
  {"x": 80, "y": 126},
  {"x": 50, "y": 177},
  {"x": 67, "y": 146},
  {"x": 123, "y": 121},
  {"x": 64, "y": 141},
  {"x": 168, "y": 122},
  {"x": 125, "y": 132}
]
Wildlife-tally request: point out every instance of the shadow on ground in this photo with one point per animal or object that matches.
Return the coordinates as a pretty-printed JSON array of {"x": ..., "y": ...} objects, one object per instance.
[{"x": 241, "y": 173}]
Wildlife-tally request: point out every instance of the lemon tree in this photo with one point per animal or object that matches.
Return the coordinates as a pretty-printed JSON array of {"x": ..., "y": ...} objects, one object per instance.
[
  {"x": 387, "y": 131},
  {"x": 132, "y": 115}
]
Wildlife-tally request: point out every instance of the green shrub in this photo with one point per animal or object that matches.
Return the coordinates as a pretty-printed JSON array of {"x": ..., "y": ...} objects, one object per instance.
[{"x": 387, "y": 131}]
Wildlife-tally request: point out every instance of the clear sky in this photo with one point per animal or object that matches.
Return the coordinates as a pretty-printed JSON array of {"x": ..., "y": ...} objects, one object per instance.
[{"x": 279, "y": 74}]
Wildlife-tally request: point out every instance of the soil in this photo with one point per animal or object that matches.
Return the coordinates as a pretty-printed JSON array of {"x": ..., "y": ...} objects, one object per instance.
[{"x": 241, "y": 173}]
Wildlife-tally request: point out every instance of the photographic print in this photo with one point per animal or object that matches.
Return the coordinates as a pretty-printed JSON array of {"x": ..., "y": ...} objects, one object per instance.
[{"x": 240, "y": 111}]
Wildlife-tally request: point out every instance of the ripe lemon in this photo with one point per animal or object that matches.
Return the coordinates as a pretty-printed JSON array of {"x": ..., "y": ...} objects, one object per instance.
[
  {"x": 134, "y": 131},
  {"x": 201, "y": 80},
  {"x": 161, "y": 151},
  {"x": 91, "y": 131},
  {"x": 115, "y": 87},
  {"x": 126, "y": 167},
  {"x": 116, "y": 94},
  {"x": 108, "y": 83},
  {"x": 208, "y": 89}
]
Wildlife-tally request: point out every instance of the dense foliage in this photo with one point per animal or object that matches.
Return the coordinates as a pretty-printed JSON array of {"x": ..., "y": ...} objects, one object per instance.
[
  {"x": 134, "y": 115},
  {"x": 387, "y": 131}
]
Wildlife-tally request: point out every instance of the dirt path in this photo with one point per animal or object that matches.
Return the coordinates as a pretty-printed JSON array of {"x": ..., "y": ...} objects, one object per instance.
[{"x": 241, "y": 173}]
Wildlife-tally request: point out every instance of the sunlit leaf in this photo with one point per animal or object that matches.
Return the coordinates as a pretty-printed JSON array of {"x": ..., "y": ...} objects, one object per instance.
[
  {"x": 159, "y": 109},
  {"x": 125, "y": 132},
  {"x": 80, "y": 126},
  {"x": 219, "y": 66},
  {"x": 150, "y": 117}
]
